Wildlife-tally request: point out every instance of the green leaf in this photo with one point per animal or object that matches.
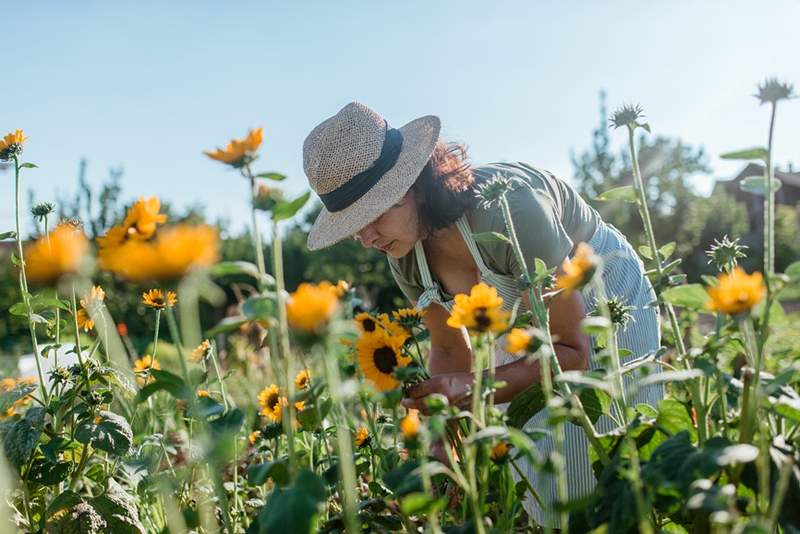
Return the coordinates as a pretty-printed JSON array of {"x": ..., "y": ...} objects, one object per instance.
[
  {"x": 421, "y": 503},
  {"x": 309, "y": 419},
  {"x": 692, "y": 296},
  {"x": 8, "y": 235},
  {"x": 491, "y": 237},
  {"x": 787, "y": 407},
  {"x": 259, "y": 473},
  {"x": 166, "y": 381},
  {"x": 118, "y": 508},
  {"x": 525, "y": 405},
  {"x": 228, "y": 324},
  {"x": 581, "y": 379},
  {"x": 110, "y": 432},
  {"x": 670, "y": 376},
  {"x": 645, "y": 251},
  {"x": 285, "y": 210},
  {"x": 793, "y": 270},
  {"x": 235, "y": 268},
  {"x": 626, "y": 193},
  {"x": 61, "y": 505},
  {"x": 22, "y": 436},
  {"x": 755, "y": 185},
  {"x": 667, "y": 250},
  {"x": 276, "y": 176},
  {"x": 755, "y": 153},
  {"x": 207, "y": 407},
  {"x": 259, "y": 307},
  {"x": 48, "y": 473},
  {"x": 28, "y": 166},
  {"x": 593, "y": 325},
  {"x": 673, "y": 417},
  {"x": 19, "y": 309},
  {"x": 296, "y": 509},
  {"x": 116, "y": 378},
  {"x": 595, "y": 402},
  {"x": 8, "y": 398}
]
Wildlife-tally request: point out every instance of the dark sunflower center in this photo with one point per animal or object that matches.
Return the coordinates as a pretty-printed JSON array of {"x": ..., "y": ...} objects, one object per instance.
[
  {"x": 369, "y": 325},
  {"x": 272, "y": 401},
  {"x": 385, "y": 359},
  {"x": 483, "y": 321}
]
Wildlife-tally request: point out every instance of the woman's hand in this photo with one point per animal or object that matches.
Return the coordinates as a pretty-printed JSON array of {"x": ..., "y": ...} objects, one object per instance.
[{"x": 457, "y": 387}]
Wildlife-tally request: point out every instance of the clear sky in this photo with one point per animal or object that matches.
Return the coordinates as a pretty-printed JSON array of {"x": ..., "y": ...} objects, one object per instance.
[{"x": 148, "y": 85}]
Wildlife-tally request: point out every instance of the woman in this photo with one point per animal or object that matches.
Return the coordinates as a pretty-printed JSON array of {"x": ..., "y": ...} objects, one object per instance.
[{"x": 407, "y": 194}]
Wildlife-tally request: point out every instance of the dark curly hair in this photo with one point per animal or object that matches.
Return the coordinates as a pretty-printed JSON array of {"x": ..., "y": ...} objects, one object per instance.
[{"x": 445, "y": 188}]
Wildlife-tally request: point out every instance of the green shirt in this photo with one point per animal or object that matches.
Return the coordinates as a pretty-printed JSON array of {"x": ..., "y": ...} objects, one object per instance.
[{"x": 549, "y": 217}]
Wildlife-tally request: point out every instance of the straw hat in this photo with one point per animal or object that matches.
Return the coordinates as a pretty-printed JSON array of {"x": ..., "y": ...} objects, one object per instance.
[{"x": 360, "y": 167}]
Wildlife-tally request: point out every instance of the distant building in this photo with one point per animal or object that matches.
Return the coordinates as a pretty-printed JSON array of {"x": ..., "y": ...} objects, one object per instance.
[{"x": 787, "y": 195}]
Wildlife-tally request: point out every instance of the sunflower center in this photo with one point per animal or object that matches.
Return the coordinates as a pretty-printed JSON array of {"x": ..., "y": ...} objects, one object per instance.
[
  {"x": 272, "y": 401},
  {"x": 385, "y": 359},
  {"x": 369, "y": 325},
  {"x": 482, "y": 320}
]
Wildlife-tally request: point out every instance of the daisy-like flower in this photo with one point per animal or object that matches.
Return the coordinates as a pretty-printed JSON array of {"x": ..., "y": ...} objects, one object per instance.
[
  {"x": 202, "y": 393},
  {"x": 490, "y": 192},
  {"x": 94, "y": 298},
  {"x": 42, "y": 210},
  {"x": 46, "y": 260},
  {"x": 521, "y": 340},
  {"x": 303, "y": 379},
  {"x": 170, "y": 255},
  {"x": 499, "y": 452},
  {"x": 627, "y": 115},
  {"x": 409, "y": 317},
  {"x": 253, "y": 437},
  {"x": 239, "y": 152},
  {"x": 311, "y": 306},
  {"x": 409, "y": 425},
  {"x": 772, "y": 90},
  {"x": 270, "y": 401},
  {"x": 200, "y": 352},
  {"x": 142, "y": 368},
  {"x": 480, "y": 311},
  {"x": 85, "y": 322},
  {"x": 579, "y": 270},
  {"x": 158, "y": 300},
  {"x": 11, "y": 145},
  {"x": 737, "y": 292},
  {"x": 379, "y": 354},
  {"x": 362, "y": 438},
  {"x": 140, "y": 223},
  {"x": 726, "y": 253},
  {"x": 366, "y": 322}
]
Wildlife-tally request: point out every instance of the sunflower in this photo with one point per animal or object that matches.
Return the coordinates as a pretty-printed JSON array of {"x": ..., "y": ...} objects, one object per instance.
[
  {"x": 156, "y": 299},
  {"x": 379, "y": 354},
  {"x": 93, "y": 298},
  {"x": 311, "y": 306},
  {"x": 579, "y": 270},
  {"x": 200, "y": 351},
  {"x": 47, "y": 259},
  {"x": 303, "y": 379},
  {"x": 521, "y": 340},
  {"x": 737, "y": 292},
  {"x": 172, "y": 253},
  {"x": 366, "y": 322},
  {"x": 202, "y": 393},
  {"x": 239, "y": 152},
  {"x": 409, "y": 425},
  {"x": 140, "y": 223},
  {"x": 499, "y": 452},
  {"x": 253, "y": 437},
  {"x": 85, "y": 322},
  {"x": 480, "y": 311},
  {"x": 11, "y": 145},
  {"x": 409, "y": 317},
  {"x": 392, "y": 327},
  {"x": 143, "y": 366},
  {"x": 342, "y": 287},
  {"x": 270, "y": 401},
  {"x": 362, "y": 438}
]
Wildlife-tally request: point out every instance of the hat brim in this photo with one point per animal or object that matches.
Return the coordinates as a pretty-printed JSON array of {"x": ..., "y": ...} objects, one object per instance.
[{"x": 419, "y": 140}]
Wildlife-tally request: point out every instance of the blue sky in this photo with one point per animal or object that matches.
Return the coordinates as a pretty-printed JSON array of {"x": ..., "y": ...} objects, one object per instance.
[{"x": 149, "y": 85}]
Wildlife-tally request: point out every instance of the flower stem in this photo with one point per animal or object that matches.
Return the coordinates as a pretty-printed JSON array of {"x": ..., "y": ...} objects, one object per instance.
[{"x": 257, "y": 244}]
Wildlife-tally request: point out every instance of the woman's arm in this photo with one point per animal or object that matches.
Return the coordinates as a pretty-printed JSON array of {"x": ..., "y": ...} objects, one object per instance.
[{"x": 450, "y": 348}]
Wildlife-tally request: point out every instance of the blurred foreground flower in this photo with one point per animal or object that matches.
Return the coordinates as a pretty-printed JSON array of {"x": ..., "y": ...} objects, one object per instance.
[
  {"x": 480, "y": 311},
  {"x": 239, "y": 152},
  {"x": 169, "y": 256},
  {"x": 379, "y": 354},
  {"x": 11, "y": 145},
  {"x": 499, "y": 452},
  {"x": 46, "y": 260},
  {"x": 522, "y": 341},
  {"x": 311, "y": 306},
  {"x": 140, "y": 223},
  {"x": 579, "y": 270},
  {"x": 409, "y": 425},
  {"x": 737, "y": 292}
]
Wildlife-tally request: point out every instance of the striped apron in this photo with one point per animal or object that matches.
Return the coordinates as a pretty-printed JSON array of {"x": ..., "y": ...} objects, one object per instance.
[{"x": 623, "y": 276}]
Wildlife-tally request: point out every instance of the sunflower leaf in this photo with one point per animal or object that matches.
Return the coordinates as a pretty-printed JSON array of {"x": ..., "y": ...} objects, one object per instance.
[
  {"x": 626, "y": 193},
  {"x": 286, "y": 210},
  {"x": 759, "y": 153},
  {"x": 525, "y": 405},
  {"x": 276, "y": 176}
]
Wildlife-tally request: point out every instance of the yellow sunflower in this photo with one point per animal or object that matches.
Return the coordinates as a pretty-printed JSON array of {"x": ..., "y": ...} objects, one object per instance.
[
  {"x": 94, "y": 297},
  {"x": 143, "y": 366},
  {"x": 239, "y": 152},
  {"x": 11, "y": 144},
  {"x": 362, "y": 437},
  {"x": 480, "y": 311},
  {"x": 409, "y": 317},
  {"x": 736, "y": 292},
  {"x": 500, "y": 452},
  {"x": 342, "y": 287},
  {"x": 46, "y": 260},
  {"x": 579, "y": 270},
  {"x": 366, "y": 322},
  {"x": 409, "y": 425},
  {"x": 379, "y": 354},
  {"x": 303, "y": 379},
  {"x": 85, "y": 323},
  {"x": 170, "y": 255},
  {"x": 270, "y": 401},
  {"x": 202, "y": 393},
  {"x": 143, "y": 218},
  {"x": 253, "y": 437},
  {"x": 158, "y": 300},
  {"x": 311, "y": 306},
  {"x": 200, "y": 351}
]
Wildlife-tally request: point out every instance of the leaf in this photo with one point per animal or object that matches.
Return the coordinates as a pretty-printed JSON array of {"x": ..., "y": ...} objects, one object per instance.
[
  {"x": 207, "y": 407},
  {"x": 793, "y": 270},
  {"x": 755, "y": 153},
  {"x": 755, "y": 185},
  {"x": 48, "y": 473},
  {"x": 109, "y": 432},
  {"x": 491, "y": 237},
  {"x": 118, "y": 508},
  {"x": 673, "y": 417},
  {"x": 21, "y": 437},
  {"x": 692, "y": 296},
  {"x": 259, "y": 307},
  {"x": 117, "y": 379},
  {"x": 741, "y": 453},
  {"x": 788, "y": 408},
  {"x": 667, "y": 250},
  {"x": 166, "y": 381},
  {"x": 525, "y": 405},
  {"x": 259, "y": 473},
  {"x": 61, "y": 504},
  {"x": 228, "y": 324},
  {"x": 285, "y": 210},
  {"x": 421, "y": 503},
  {"x": 646, "y": 252},
  {"x": 295, "y": 509},
  {"x": 20, "y": 391},
  {"x": 28, "y": 166},
  {"x": 670, "y": 376},
  {"x": 8, "y": 235},
  {"x": 626, "y": 193},
  {"x": 595, "y": 402},
  {"x": 595, "y": 325},
  {"x": 581, "y": 379},
  {"x": 239, "y": 268},
  {"x": 276, "y": 176}
]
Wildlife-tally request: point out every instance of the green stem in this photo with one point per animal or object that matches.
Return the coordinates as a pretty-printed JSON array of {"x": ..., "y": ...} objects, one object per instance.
[
  {"x": 257, "y": 244},
  {"x": 176, "y": 338},
  {"x": 155, "y": 335}
]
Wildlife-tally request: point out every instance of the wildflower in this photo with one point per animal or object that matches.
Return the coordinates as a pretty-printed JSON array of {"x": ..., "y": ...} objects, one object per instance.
[
  {"x": 42, "y": 210},
  {"x": 202, "y": 393},
  {"x": 499, "y": 452},
  {"x": 11, "y": 145},
  {"x": 172, "y": 253},
  {"x": 143, "y": 366},
  {"x": 726, "y": 253},
  {"x": 627, "y": 115},
  {"x": 299, "y": 406},
  {"x": 253, "y": 437},
  {"x": 303, "y": 379},
  {"x": 522, "y": 341},
  {"x": 270, "y": 401},
  {"x": 311, "y": 306},
  {"x": 771, "y": 90},
  {"x": 409, "y": 425},
  {"x": 158, "y": 300},
  {"x": 239, "y": 152},
  {"x": 200, "y": 351},
  {"x": 366, "y": 322},
  {"x": 409, "y": 317},
  {"x": 85, "y": 323},
  {"x": 579, "y": 270},
  {"x": 362, "y": 438},
  {"x": 491, "y": 191},
  {"x": 267, "y": 197},
  {"x": 480, "y": 311},
  {"x": 379, "y": 354},
  {"x": 392, "y": 327},
  {"x": 140, "y": 223},
  {"x": 737, "y": 292},
  {"x": 91, "y": 303},
  {"x": 46, "y": 260}
]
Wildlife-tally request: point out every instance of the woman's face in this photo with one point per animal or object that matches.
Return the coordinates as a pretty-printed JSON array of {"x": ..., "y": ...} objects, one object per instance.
[{"x": 396, "y": 231}]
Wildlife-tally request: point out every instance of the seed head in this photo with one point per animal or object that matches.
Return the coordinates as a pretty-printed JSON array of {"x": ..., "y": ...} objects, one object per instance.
[{"x": 771, "y": 90}]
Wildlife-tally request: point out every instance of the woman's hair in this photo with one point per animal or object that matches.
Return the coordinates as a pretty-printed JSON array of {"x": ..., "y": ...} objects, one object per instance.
[{"x": 445, "y": 188}]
